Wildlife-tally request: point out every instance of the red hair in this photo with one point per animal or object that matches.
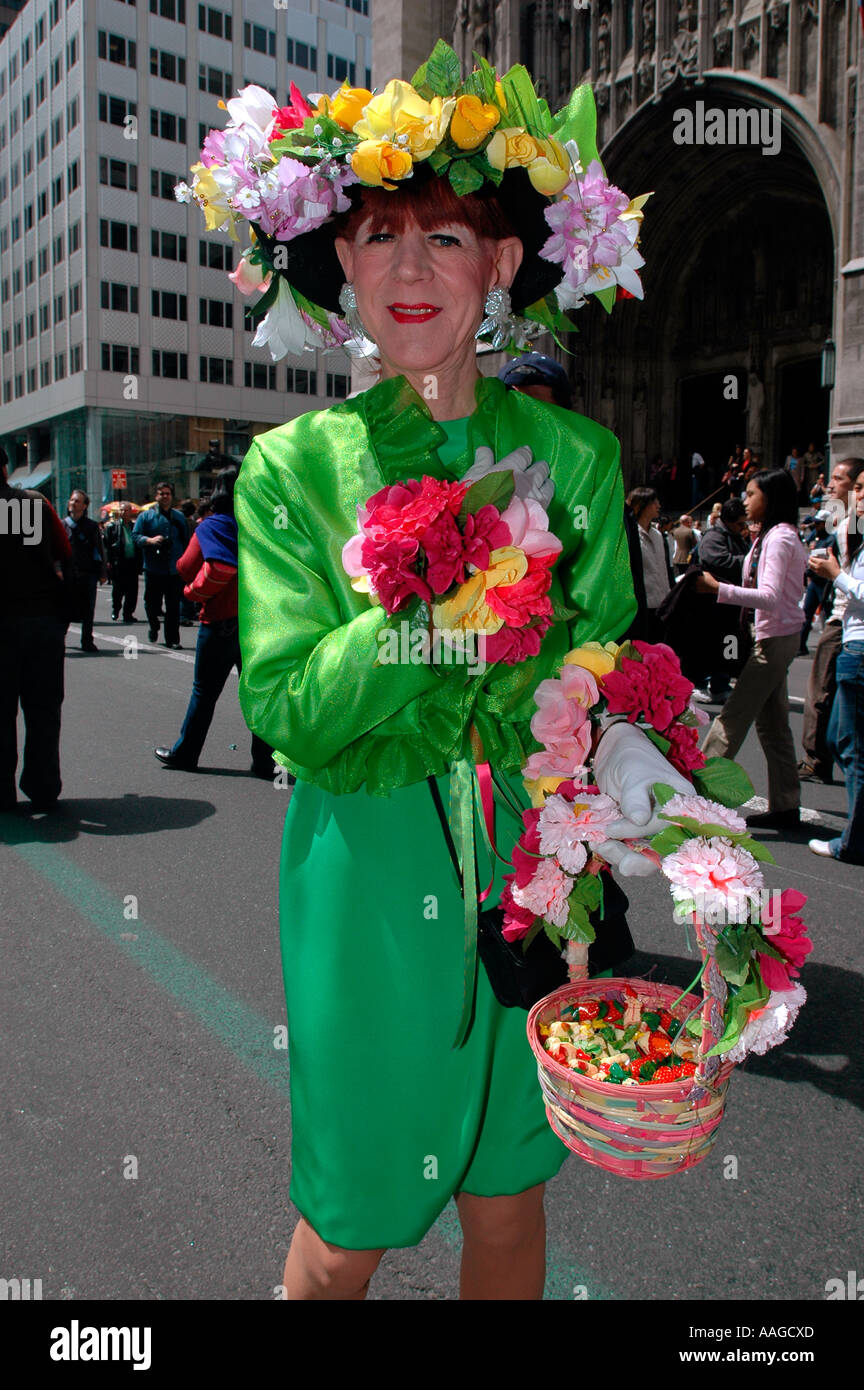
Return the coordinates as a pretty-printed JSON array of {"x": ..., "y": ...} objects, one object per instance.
[{"x": 430, "y": 203}]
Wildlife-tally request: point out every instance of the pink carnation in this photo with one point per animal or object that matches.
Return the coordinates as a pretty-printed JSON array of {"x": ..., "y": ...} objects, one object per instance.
[
  {"x": 565, "y": 825},
  {"x": 715, "y": 873},
  {"x": 768, "y": 1027},
  {"x": 706, "y": 812},
  {"x": 787, "y": 933},
  {"x": 652, "y": 689},
  {"x": 562, "y": 708},
  {"x": 548, "y": 893},
  {"x": 568, "y": 758},
  {"x": 518, "y": 921},
  {"x": 529, "y": 526}
]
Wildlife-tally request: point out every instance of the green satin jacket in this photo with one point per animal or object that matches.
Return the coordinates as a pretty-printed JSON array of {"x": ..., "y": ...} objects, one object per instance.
[{"x": 312, "y": 686}]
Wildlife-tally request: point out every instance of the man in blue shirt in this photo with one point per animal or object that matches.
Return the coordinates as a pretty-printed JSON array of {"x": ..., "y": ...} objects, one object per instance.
[{"x": 163, "y": 534}]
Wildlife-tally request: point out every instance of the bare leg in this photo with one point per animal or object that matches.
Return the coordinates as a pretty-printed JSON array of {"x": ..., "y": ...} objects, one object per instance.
[
  {"x": 315, "y": 1269},
  {"x": 504, "y": 1251}
]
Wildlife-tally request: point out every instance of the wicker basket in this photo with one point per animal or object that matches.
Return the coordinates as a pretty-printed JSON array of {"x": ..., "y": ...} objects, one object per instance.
[{"x": 647, "y": 1131}]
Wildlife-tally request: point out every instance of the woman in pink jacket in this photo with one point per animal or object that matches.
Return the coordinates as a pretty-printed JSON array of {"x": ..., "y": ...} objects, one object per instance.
[{"x": 774, "y": 570}]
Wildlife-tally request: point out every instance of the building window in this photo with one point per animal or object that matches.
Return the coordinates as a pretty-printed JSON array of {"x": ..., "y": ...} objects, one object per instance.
[
  {"x": 116, "y": 173},
  {"x": 74, "y": 300},
  {"x": 40, "y": 90},
  {"x": 120, "y": 236},
  {"x": 19, "y": 385},
  {"x": 57, "y": 191},
  {"x": 29, "y": 272},
  {"x": 259, "y": 39},
  {"x": 303, "y": 382},
  {"x": 59, "y": 308},
  {"x": 56, "y": 131},
  {"x": 31, "y": 326},
  {"x": 73, "y": 175},
  {"x": 216, "y": 255},
  {"x": 31, "y": 378},
  {"x": 26, "y": 108},
  {"x": 75, "y": 360},
  {"x": 16, "y": 229},
  {"x": 27, "y": 161},
  {"x": 56, "y": 73},
  {"x": 15, "y": 175},
  {"x": 72, "y": 114},
  {"x": 44, "y": 317},
  {"x": 167, "y": 126},
  {"x": 54, "y": 13},
  {"x": 219, "y": 371},
  {"x": 41, "y": 147},
  {"x": 214, "y": 22},
  {"x": 28, "y": 217},
  {"x": 44, "y": 373},
  {"x": 162, "y": 184},
  {"x": 167, "y": 66},
  {"x": 171, "y": 364},
  {"x": 16, "y": 282},
  {"x": 13, "y": 123},
  {"x": 114, "y": 110},
  {"x": 72, "y": 52},
  {"x": 214, "y": 81},
  {"x": 122, "y": 298},
  {"x": 40, "y": 31},
  {"x": 114, "y": 48},
  {"x": 43, "y": 260},
  {"x": 340, "y": 68},
  {"x": 165, "y": 304},
  {"x": 26, "y": 51},
  {"x": 259, "y": 376},
  {"x": 18, "y": 333},
  {"x": 7, "y": 340},
  {"x": 59, "y": 366},
  {"x": 302, "y": 55},
  {"x": 58, "y": 248},
  {"x": 168, "y": 245},
  {"x": 117, "y": 357},
  {"x": 169, "y": 9},
  {"x": 217, "y": 312},
  {"x": 4, "y": 240}
]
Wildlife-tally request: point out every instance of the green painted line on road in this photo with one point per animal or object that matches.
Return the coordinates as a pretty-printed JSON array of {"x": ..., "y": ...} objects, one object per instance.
[{"x": 245, "y": 1033}]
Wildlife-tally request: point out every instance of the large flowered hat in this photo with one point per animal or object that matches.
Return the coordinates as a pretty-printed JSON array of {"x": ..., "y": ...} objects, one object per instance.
[{"x": 288, "y": 173}]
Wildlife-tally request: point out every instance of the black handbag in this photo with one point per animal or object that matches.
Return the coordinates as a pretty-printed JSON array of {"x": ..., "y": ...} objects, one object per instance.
[{"x": 519, "y": 977}]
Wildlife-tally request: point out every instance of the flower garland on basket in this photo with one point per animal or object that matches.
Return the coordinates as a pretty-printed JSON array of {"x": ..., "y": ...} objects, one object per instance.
[
  {"x": 595, "y": 1039},
  {"x": 284, "y": 171}
]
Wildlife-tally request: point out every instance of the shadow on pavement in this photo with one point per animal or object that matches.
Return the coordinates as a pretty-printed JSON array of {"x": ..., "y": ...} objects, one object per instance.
[
  {"x": 824, "y": 1046},
  {"x": 124, "y": 815}
]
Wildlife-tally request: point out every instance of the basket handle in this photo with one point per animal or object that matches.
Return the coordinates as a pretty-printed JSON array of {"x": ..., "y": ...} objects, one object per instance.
[
  {"x": 714, "y": 994},
  {"x": 577, "y": 961}
]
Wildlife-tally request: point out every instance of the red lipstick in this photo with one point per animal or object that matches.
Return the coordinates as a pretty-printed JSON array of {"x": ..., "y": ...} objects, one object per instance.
[{"x": 413, "y": 313}]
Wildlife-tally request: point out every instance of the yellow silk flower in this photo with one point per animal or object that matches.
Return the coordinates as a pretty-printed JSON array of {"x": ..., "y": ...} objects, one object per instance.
[
  {"x": 472, "y": 121},
  {"x": 467, "y": 610},
  {"x": 597, "y": 659},
  {"x": 346, "y": 106},
  {"x": 376, "y": 161},
  {"x": 538, "y": 788},
  {"x": 546, "y": 160},
  {"x": 400, "y": 114},
  {"x": 211, "y": 198}
]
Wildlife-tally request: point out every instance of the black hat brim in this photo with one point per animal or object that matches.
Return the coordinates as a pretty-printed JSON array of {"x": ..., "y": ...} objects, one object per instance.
[{"x": 310, "y": 264}]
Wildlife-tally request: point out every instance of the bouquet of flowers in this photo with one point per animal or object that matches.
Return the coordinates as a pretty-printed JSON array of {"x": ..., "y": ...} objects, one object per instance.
[
  {"x": 711, "y": 862},
  {"x": 477, "y": 554}
]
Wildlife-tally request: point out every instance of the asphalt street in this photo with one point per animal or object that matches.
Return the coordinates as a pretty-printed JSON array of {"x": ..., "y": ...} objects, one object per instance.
[{"x": 145, "y": 1120}]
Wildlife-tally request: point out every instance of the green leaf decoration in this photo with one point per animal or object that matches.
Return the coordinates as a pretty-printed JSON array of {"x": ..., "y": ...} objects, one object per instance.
[
  {"x": 474, "y": 86},
  {"x": 464, "y": 177},
  {"x": 723, "y": 780},
  {"x": 545, "y": 115},
  {"x": 588, "y": 890},
  {"x": 578, "y": 926},
  {"x": 532, "y": 933},
  {"x": 578, "y": 121},
  {"x": 751, "y": 996},
  {"x": 419, "y": 78},
  {"x": 627, "y": 652},
  {"x": 495, "y": 489},
  {"x": 443, "y": 73},
  {"x": 660, "y": 742},
  {"x": 607, "y": 297},
  {"x": 482, "y": 163},
  {"x": 668, "y": 840},
  {"x": 663, "y": 793},
  {"x": 268, "y": 297},
  {"x": 733, "y": 955},
  {"x": 553, "y": 933},
  {"x": 438, "y": 159},
  {"x": 488, "y": 77},
  {"x": 754, "y": 847},
  {"x": 313, "y": 310},
  {"x": 522, "y": 104},
  {"x": 540, "y": 312}
]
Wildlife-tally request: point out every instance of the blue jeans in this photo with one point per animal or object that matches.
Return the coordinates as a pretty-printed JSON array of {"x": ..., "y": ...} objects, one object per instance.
[
  {"x": 218, "y": 649},
  {"x": 846, "y": 740}
]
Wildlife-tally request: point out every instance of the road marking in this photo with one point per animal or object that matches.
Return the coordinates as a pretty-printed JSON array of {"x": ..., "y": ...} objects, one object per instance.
[
  {"x": 808, "y": 815},
  {"x": 142, "y": 646},
  {"x": 245, "y": 1033}
]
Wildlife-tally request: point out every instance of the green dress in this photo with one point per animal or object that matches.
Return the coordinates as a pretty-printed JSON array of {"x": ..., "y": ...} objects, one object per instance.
[{"x": 389, "y": 1120}]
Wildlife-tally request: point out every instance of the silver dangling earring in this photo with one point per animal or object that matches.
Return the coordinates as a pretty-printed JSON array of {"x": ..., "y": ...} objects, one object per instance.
[
  {"x": 500, "y": 320},
  {"x": 348, "y": 305}
]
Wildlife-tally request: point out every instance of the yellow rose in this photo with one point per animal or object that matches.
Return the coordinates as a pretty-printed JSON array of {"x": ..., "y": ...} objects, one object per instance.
[
  {"x": 346, "y": 105},
  {"x": 467, "y": 610},
  {"x": 471, "y": 122},
  {"x": 510, "y": 147},
  {"x": 538, "y": 788},
  {"x": 376, "y": 161},
  {"x": 500, "y": 97},
  {"x": 400, "y": 114},
  {"x": 507, "y": 565},
  {"x": 551, "y": 170},
  {"x": 594, "y": 658}
]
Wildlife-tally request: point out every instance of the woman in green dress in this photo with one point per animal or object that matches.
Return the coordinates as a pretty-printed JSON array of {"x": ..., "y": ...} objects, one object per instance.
[{"x": 389, "y": 1118}]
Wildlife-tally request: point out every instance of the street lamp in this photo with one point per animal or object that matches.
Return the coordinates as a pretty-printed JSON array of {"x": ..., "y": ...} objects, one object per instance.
[{"x": 829, "y": 359}]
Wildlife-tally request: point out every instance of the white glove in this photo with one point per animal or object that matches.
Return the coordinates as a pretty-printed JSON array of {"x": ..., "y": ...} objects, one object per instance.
[
  {"x": 626, "y": 766},
  {"x": 531, "y": 478},
  {"x": 629, "y": 862}
]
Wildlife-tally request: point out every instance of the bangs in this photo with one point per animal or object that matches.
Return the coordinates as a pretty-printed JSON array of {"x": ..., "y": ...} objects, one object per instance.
[{"x": 429, "y": 204}]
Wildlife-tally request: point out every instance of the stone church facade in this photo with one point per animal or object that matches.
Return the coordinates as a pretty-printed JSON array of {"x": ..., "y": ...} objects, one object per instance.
[{"x": 743, "y": 118}]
